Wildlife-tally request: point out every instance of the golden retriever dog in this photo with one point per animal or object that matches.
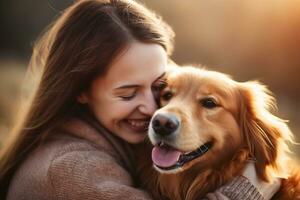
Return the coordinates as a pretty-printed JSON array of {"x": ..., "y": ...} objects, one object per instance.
[{"x": 208, "y": 128}]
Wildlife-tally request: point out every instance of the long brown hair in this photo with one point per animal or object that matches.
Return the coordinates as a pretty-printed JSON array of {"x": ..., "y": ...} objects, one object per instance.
[{"x": 76, "y": 48}]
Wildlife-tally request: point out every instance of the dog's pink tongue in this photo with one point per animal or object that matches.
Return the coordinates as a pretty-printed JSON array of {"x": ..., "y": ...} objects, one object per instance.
[{"x": 164, "y": 157}]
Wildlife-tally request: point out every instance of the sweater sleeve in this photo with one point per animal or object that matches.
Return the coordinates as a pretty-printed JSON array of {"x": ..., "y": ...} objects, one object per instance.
[{"x": 91, "y": 175}]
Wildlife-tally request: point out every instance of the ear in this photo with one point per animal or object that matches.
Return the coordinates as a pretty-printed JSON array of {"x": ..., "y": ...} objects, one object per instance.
[
  {"x": 82, "y": 98},
  {"x": 264, "y": 134}
]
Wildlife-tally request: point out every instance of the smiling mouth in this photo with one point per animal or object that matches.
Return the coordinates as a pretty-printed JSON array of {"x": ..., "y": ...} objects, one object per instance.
[
  {"x": 166, "y": 157},
  {"x": 138, "y": 125}
]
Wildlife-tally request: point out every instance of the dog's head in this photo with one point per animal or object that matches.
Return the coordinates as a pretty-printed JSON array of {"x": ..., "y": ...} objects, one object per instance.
[{"x": 206, "y": 117}]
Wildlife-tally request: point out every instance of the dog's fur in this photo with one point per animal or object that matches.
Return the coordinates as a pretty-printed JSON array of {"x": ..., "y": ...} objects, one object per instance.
[{"x": 241, "y": 127}]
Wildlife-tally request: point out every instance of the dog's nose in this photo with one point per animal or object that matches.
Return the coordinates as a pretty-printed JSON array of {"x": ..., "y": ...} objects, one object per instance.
[{"x": 165, "y": 124}]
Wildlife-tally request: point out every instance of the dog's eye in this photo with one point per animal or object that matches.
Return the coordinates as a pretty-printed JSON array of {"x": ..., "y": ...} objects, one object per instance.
[
  {"x": 209, "y": 103},
  {"x": 166, "y": 96}
]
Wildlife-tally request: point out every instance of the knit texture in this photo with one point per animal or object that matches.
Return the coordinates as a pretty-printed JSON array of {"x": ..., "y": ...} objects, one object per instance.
[{"x": 240, "y": 188}]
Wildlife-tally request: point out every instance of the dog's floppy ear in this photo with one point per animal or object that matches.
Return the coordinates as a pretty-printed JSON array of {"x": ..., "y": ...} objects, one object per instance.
[{"x": 264, "y": 134}]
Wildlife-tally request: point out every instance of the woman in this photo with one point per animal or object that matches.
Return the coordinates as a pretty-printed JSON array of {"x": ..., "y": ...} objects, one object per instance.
[{"x": 101, "y": 61}]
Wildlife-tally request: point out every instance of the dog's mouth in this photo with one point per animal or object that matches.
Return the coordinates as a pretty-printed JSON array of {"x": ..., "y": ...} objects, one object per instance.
[{"x": 166, "y": 157}]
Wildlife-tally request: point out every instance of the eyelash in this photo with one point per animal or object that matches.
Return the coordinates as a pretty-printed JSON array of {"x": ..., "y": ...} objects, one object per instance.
[{"x": 128, "y": 98}]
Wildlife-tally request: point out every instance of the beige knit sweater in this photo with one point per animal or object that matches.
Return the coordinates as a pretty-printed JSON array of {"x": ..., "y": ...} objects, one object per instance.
[{"x": 82, "y": 160}]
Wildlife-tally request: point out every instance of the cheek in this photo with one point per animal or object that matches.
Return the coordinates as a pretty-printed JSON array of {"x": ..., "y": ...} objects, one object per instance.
[
  {"x": 118, "y": 111},
  {"x": 122, "y": 110},
  {"x": 110, "y": 111},
  {"x": 227, "y": 130},
  {"x": 219, "y": 125}
]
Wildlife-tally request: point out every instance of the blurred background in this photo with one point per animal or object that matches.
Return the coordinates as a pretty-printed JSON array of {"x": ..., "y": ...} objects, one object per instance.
[{"x": 249, "y": 39}]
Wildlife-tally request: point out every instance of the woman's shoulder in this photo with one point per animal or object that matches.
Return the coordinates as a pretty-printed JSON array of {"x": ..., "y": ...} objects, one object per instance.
[
  {"x": 74, "y": 139},
  {"x": 65, "y": 157}
]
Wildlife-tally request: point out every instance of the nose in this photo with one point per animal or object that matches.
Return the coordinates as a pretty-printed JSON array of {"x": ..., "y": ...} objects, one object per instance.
[
  {"x": 148, "y": 104},
  {"x": 165, "y": 124}
]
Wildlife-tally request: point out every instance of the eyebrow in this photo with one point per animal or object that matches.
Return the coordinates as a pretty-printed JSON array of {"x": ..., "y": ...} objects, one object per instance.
[{"x": 135, "y": 85}]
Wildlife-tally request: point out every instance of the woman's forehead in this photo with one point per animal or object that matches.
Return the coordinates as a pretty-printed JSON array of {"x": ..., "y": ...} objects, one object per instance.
[{"x": 139, "y": 64}]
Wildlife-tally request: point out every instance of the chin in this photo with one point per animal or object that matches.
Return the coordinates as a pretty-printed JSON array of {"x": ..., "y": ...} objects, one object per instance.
[{"x": 134, "y": 138}]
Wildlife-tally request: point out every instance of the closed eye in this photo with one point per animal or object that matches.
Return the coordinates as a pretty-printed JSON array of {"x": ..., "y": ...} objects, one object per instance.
[{"x": 128, "y": 97}]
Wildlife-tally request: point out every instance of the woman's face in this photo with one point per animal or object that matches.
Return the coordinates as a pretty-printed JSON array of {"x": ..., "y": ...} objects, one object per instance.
[{"x": 122, "y": 100}]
